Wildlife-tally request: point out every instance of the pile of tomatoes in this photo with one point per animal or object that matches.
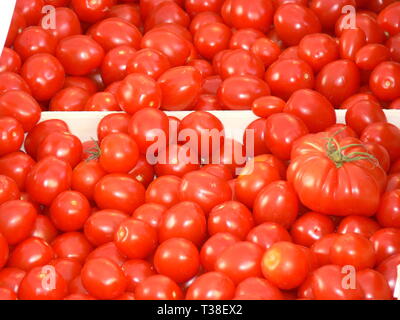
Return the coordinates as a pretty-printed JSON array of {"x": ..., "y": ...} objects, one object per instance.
[{"x": 315, "y": 214}]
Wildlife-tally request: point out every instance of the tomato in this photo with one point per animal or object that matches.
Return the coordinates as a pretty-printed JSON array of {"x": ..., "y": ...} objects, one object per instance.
[
  {"x": 150, "y": 213},
  {"x": 293, "y": 22},
  {"x": 22, "y": 107},
  {"x": 282, "y": 130},
  {"x": 115, "y": 63},
  {"x": 385, "y": 80},
  {"x": 350, "y": 42},
  {"x": 79, "y": 54},
  {"x": 258, "y": 287},
  {"x": 146, "y": 126},
  {"x": 7, "y": 294},
  {"x": 313, "y": 108},
  {"x": 387, "y": 19},
  {"x": 266, "y": 50},
  {"x": 17, "y": 24},
  {"x": 150, "y": 62},
  {"x": 358, "y": 224},
  {"x": 388, "y": 213},
  {"x": 31, "y": 10},
  {"x": 393, "y": 45},
  {"x": 164, "y": 190},
  {"x": 385, "y": 134},
  {"x": 183, "y": 220},
  {"x": 388, "y": 268},
  {"x": 240, "y": 261},
  {"x": 136, "y": 271},
  {"x": 44, "y": 74},
  {"x": 386, "y": 243},
  {"x": 204, "y": 189},
  {"x": 212, "y": 38},
  {"x": 327, "y": 284},
  {"x": 240, "y": 14},
  {"x": 367, "y": 23},
  {"x": 337, "y": 91},
  {"x": 67, "y": 24},
  {"x": 267, "y": 233},
  {"x": 84, "y": 83},
  {"x": 69, "y": 99},
  {"x": 285, "y": 265},
  {"x": 174, "y": 46},
  {"x": 109, "y": 251},
  {"x": 244, "y": 38},
  {"x": 211, "y": 286},
  {"x": 69, "y": 269},
  {"x": 329, "y": 11},
  {"x": 10, "y": 278},
  {"x": 112, "y": 123},
  {"x": 203, "y": 18},
  {"x": 353, "y": 249},
  {"x": 317, "y": 164},
  {"x": 12, "y": 135},
  {"x": 370, "y": 55},
  {"x": 194, "y": 7},
  {"x": 31, "y": 287},
  {"x": 374, "y": 285},
  {"x": 393, "y": 182},
  {"x": 78, "y": 296},
  {"x": 72, "y": 245},
  {"x": 10, "y": 81},
  {"x": 44, "y": 229},
  {"x": 31, "y": 253},
  {"x": 4, "y": 251},
  {"x": 34, "y": 40},
  {"x": 239, "y": 92},
  {"x": 10, "y": 60},
  {"x": 49, "y": 169},
  {"x": 289, "y": 75},
  {"x": 85, "y": 176},
  {"x": 103, "y": 278},
  {"x": 218, "y": 170},
  {"x": 114, "y": 32},
  {"x": 158, "y": 287},
  {"x": 268, "y": 105},
  {"x": 17, "y": 219},
  {"x": 91, "y": 11},
  {"x": 128, "y": 12},
  {"x": 240, "y": 62},
  {"x": 120, "y": 192},
  {"x": 317, "y": 50},
  {"x": 214, "y": 246},
  {"x": 380, "y": 153}
]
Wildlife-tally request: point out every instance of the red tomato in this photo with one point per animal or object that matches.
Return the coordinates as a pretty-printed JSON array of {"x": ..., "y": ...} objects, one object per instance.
[
  {"x": 285, "y": 265},
  {"x": 211, "y": 38},
  {"x": 72, "y": 245},
  {"x": 136, "y": 271},
  {"x": 363, "y": 113},
  {"x": 386, "y": 243},
  {"x": 239, "y": 92},
  {"x": 352, "y": 249},
  {"x": 150, "y": 62},
  {"x": 69, "y": 269},
  {"x": 164, "y": 190},
  {"x": 358, "y": 224},
  {"x": 385, "y": 80},
  {"x": 239, "y": 14},
  {"x": 183, "y": 220},
  {"x": 103, "y": 278},
  {"x": 166, "y": 12},
  {"x": 293, "y": 22},
  {"x": 370, "y": 55},
  {"x": 259, "y": 288},
  {"x": 150, "y": 213},
  {"x": 158, "y": 287},
  {"x": 317, "y": 50},
  {"x": 67, "y": 23},
  {"x": 204, "y": 189},
  {"x": 109, "y": 251},
  {"x": 135, "y": 239},
  {"x": 387, "y": 18},
  {"x": 203, "y": 18},
  {"x": 10, "y": 278},
  {"x": 47, "y": 179},
  {"x": 211, "y": 286},
  {"x": 268, "y": 105},
  {"x": 374, "y": 285},
  {"x": 327, "y": 284},
  {"x": 31, "y": 10},
  {"x": 266, "y": 234},
  {"x": 31, "y": 253},
  {"x": 128, "y": 12},
  {"x": 17, "y": 219},
  {"x": 31, "y": 287},
  {"x": 17, "y": 24},
  {"x": 244, "y": 38},
  {"x": 92, "y": 11},
  {"x": 79, "y": 54},
  {"x": 388, "y": 214},
  {"x": 380, "y": 153},
  {"x": 11, "y": 135},
  {"x": 22, "y": 107},
  {"x": 338, "y": 91},
  {"x": 282, "y": 131},
  {"x": 240, "y": 261},
  {"x": 44, "y": 74},
  {"x": 289, "y": 75},
  {"x": 385, "y": 134},
  {"x": 178, "y": 259},
  {"x": 69, "y": 99},
  {"x": 81, "y": 82},
  {"x": 317, "y": 166},
  {"x": 240, "y": 62},
  {"x": 10, "y": 81},
  {"x": 119, "y": 192},
  {"x": 389, "y": 269},
  {"x": 7, "y": 294},
  {"x": 44, "y": 229},
  {"x": 4, "y": 251},
  {"x": 9, "y": 61},
  {"x": 115, "y": 63},
  {"x": 85, "y": 176},
  {"x": 266, "y": 50},
  {"x": 350, "y": 42}
]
